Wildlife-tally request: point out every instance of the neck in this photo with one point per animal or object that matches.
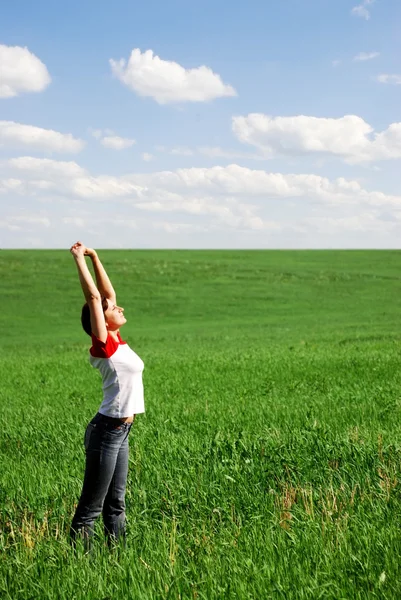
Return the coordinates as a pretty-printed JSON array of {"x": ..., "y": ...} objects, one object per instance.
[{"x": 114, "y": 333}]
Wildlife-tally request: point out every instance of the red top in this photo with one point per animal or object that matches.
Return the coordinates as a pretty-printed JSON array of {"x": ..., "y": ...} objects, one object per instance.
[{"x": 105, "y": 349}]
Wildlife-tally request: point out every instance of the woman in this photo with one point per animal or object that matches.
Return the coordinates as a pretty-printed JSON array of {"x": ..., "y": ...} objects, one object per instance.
[{"x": 106, "y": 436}]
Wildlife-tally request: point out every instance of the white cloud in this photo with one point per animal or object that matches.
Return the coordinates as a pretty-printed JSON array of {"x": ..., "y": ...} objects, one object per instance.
[
  {"x": 216, "y": 190},
  {"x": 167, "y": 81},
  {"x": 45, "y": 167},
  {"x": 103, "y": 187},
  {"x": 147, "y": 157},
  {"x": 199, "y": 200},
  {"x": 213, "y": 194},
  {"x": 348, "y": 137},
  {"x": 234, "y": 182},
  {"x": 21, "y": 71},
  {"x": 17, "y": 135},
  {"x": 361, "y": 10},
  {"x": 335, "y": 63},
  {"x": 117, "y": 143},
  {"x": 363, "y": 56},
  {"x": 385, "y": 78}
]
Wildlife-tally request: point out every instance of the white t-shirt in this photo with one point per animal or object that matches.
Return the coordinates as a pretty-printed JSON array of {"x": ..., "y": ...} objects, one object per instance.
[{"x": 121, "y": 371}]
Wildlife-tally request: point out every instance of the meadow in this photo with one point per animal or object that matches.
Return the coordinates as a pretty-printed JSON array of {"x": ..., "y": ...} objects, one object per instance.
[{"x": 268, "y": 462}]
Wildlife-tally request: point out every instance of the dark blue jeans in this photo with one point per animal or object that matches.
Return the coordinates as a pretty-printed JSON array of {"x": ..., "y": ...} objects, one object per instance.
[{"x": 105, "y": 480}]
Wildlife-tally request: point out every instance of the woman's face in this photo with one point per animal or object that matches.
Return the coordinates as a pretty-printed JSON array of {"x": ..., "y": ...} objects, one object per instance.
[{"x": 114, "y": 316}]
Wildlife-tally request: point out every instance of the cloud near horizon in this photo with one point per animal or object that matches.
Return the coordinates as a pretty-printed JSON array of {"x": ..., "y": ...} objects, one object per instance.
[
  {"x": 193, "y": 200},
  {"x": 161, "y": 190}
]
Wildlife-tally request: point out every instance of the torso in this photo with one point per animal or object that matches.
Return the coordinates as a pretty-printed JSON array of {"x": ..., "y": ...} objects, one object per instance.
[
  {"x": 128, "y": 419},
  {"x": 121, "y": 369},
  {"x": 125, "y": 419}
]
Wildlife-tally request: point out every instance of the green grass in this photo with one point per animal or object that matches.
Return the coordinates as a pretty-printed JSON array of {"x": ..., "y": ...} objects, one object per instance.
[{"x": 267, "y": 464}]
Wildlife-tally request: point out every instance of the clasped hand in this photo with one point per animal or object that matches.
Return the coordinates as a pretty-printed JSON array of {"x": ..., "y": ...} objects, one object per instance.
[{"x": 79, "y": 249}]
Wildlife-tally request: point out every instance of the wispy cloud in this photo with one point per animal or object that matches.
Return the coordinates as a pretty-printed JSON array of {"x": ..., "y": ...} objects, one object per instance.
[
  {"x": 385, "y": 78},
  {"x": 362, "y": 10},
  {"x": 362, "y": 56},
  {"x": 108, "y": 139},
  {"x": 211, "y": 152},
  {"x": 335, "y": 63},
  {"x": 181, "y": 151}
]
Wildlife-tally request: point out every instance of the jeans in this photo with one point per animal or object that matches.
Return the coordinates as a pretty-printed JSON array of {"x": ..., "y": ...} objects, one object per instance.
[{"x": 105, "y": 480}]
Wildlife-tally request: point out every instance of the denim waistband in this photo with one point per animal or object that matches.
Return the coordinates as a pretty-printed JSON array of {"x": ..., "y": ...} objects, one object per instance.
[{"x": 100, "y": 419}]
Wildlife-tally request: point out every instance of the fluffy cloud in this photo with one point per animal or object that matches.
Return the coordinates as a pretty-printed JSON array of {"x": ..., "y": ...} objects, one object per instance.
[
  {"x": 349, "y": 137},
  {"x": 17, "y": 135},
  {"x": 363, "y": 56},
  {"x": 167, "y": 81},
  {"x": 385, "y": 78},
  {"x": 362, "y": 10},
  {"x": 21, "y": 71}
]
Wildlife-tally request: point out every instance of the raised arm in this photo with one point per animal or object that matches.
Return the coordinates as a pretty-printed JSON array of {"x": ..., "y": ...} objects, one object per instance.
[
  {"x": 91, "y": 292},
  {"x": 103, "y": 282}
]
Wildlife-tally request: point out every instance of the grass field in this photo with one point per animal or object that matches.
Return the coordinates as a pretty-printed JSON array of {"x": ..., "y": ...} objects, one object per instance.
[{"x": 268, "y": 463}]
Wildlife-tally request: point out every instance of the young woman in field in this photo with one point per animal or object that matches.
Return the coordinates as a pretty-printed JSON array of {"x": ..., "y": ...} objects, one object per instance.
[{"x": 106, "y": 436}]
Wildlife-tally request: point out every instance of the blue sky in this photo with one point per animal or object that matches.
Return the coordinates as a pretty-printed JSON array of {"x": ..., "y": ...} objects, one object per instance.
[{"x": 144, "y": 171}]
